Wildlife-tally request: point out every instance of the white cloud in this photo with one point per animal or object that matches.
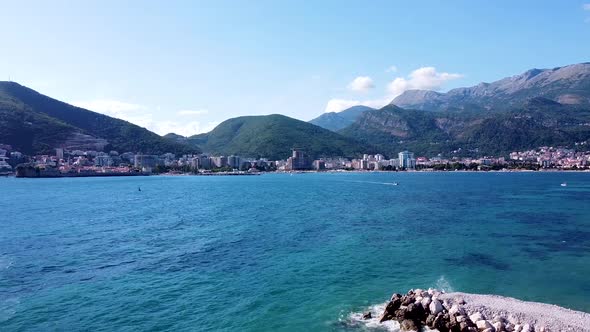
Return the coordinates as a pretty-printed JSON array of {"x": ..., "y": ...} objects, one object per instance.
[
  {"x": 182, "y": 128},
  {"x": 361, "y": 84},
  {"x": 425, "y": 78},
  {"x": 391, "y": 69},
  {"x": 586, "y": 6},
  {"x": 139, "y": 115},
  {"x": 192, "y": 112},
  {"x": 337, "y": 105}
]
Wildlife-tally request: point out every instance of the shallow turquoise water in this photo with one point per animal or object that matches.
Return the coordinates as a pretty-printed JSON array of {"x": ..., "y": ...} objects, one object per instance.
[{"x": 279, "y": 252}]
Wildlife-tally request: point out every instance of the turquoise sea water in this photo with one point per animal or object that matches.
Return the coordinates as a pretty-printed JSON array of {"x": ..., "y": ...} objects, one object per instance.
[{"x": 278, "y": 252}]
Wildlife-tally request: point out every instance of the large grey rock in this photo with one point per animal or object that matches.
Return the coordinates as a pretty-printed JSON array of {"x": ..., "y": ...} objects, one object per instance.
[
  {"x": 435, "y": 307},
  {"x": 499, "y": 326},
  {"x": 408, "y": 325},
  {"x": 476, "y": 316},
  {"x": 456, "y": 310},
  {"x": 484, "y": 324}
]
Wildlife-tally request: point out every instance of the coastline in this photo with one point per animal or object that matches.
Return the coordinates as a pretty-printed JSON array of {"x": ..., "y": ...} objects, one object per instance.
[
  {"x": 115, "y": 174},
  {"x": 434, "y": 310}
]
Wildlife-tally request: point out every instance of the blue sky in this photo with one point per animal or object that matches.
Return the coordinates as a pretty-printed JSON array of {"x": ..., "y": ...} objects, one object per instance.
[{"x": 185, "y": 66}]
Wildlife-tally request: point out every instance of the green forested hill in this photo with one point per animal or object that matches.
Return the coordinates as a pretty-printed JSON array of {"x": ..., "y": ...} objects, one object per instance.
[
  {"x": 536, "y": 123},
  {"x": 35, "y": 123},
  {"x": 273, "y": 136}
]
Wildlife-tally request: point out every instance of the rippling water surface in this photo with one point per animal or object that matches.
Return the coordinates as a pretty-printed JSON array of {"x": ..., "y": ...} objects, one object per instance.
[{"x": 280, "y": 252}]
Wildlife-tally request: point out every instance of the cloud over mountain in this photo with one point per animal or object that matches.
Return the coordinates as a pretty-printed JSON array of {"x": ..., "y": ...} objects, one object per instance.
[
  {"x": 425, "y": 78},
  {"x": 361, "y": 84}
]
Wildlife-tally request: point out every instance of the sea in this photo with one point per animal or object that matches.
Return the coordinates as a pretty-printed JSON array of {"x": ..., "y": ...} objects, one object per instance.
[{"x": 281, "y": 252}]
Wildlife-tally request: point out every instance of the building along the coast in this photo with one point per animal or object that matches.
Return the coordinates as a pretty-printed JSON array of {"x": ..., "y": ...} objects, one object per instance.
[
  {"x": 406, "y": 160},
  {"x": 298, "y": 161}
]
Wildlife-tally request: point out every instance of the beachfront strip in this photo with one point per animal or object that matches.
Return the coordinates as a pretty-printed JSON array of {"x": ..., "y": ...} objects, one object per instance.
[{"x": 95, "y": 163}]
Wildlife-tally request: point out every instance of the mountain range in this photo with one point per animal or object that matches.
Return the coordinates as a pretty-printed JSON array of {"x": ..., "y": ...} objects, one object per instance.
[
  {"x": 339, "y": 120},
  {"x": 569, "y": 85},
  {"x": 538, "y": 107}
]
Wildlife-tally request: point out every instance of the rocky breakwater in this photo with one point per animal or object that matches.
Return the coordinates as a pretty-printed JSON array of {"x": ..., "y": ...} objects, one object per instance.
[{"x": 452, "y": 313}]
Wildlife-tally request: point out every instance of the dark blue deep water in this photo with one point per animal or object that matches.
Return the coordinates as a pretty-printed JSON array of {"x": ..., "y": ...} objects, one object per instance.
[{"x": 278, "y": 252}]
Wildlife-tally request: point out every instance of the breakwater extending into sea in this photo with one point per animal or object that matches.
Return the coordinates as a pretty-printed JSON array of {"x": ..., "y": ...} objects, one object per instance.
[{"x": 282, "y": 252}]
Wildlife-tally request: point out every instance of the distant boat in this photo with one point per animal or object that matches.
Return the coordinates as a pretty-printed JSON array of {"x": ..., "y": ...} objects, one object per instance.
[
  {"x": 138, "y": 188},
  {"x": 564, "y": 184},
  {"x": 395, "y": 183}
]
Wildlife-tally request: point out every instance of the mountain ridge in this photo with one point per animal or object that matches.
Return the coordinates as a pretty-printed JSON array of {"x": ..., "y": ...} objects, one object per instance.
[
  {"x": 538, "y": 122},
  {"x": 35, "y": 123},
  {"x": 568, "y": 84},
  {"x": 338, "y": 120},
  {"x": 273, "y": 136}
]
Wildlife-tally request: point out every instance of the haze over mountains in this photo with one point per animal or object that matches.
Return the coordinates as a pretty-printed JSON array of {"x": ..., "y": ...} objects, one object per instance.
[{"x": 538, "y": 107}]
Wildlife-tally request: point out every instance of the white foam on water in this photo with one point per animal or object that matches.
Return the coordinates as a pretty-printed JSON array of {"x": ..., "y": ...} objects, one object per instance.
[
  {"x": 443, "y": 285},
  {"x": 356, "y": 318}
]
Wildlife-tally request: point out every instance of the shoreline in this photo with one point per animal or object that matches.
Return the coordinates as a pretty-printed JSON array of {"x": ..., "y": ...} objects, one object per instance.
[
  {"x": 114, "y": 174},
  {"x": 434, "y": 310}
]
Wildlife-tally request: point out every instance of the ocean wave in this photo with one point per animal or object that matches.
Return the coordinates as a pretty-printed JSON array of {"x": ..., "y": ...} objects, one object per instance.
[
  {"x": 8, "y": 308},
  {"x": 355, "y": 319},
  {"x": 5, "y": 262}
]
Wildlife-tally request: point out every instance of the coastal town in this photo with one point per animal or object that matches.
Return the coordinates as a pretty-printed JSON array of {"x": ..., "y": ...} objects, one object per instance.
[{"x": 78, "y": 163}]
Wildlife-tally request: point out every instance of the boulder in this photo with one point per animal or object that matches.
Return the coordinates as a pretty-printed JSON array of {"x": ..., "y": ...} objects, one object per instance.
[
  {"x": 415, "y": 312},
  {"x": 367, "y": 315},
  {"x": 435, "y": 307},
  {"x": 454, "y": 325},
  {"x": 476, "y": 316},
  {"x": 426, "y": 302},
  {"x": 408, "y": 325},
  {"x": 440, "y": 323},
  {"x": 483, "y": 325},
  {"x": 517, "y": 328},
  {"x": 526, "y": 328},
  {"x": 401, "y": 313},
  {"x": 499, "y": 326},
  {"x": 391, "y": 308},
  {"x": 464, "y": 327},
  {"x": 407, "y": 299},
  {"x": 456, "y": 310},
  {"x": 430, "y": 320}
]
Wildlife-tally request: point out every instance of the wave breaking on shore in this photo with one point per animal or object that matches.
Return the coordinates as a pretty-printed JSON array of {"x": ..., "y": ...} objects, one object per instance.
[{"x": 433, "y": 310}]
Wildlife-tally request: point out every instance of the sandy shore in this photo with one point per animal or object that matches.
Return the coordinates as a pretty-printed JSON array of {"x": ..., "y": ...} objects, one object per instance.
[{"x": 552, "y": 317}]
